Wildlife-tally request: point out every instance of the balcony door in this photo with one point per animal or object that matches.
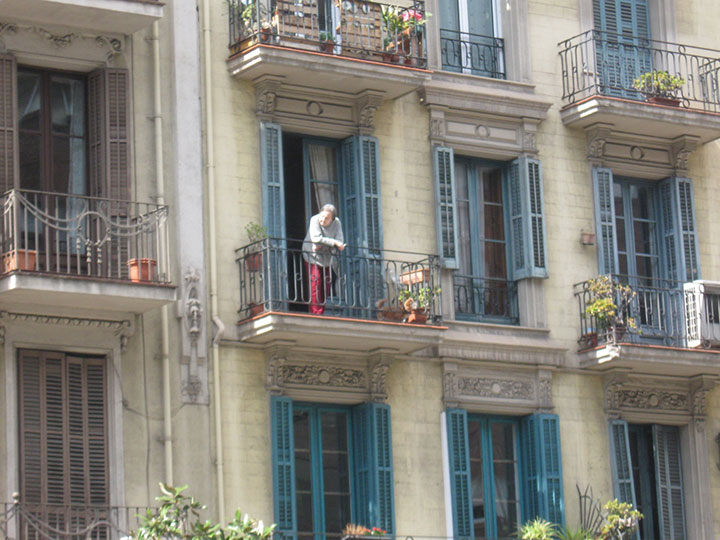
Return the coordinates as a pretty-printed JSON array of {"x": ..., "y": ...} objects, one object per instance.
[
  {"x": 622, "y": 45},
  {"x": 469, "y": 32}
]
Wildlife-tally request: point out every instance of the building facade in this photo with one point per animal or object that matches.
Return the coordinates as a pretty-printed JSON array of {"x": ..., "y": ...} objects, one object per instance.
[{"x": 490, "y": 161}]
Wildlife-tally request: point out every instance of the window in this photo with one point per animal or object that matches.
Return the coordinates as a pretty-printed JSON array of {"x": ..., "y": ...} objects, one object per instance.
[
  {"x": 503, "y": 471},
  {"x": 332, "y": 466},
  {"x": 470, "y": 39},
  {"x": 63, "y": 428},
  {"x": 490, "y": 229},
  {"x": 647, "y": 472}
]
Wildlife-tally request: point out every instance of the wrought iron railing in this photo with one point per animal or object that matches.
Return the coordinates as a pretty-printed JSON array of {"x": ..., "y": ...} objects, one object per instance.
[
  {"x": 56, "y": 233},
  {"x": 354, "y": 28},
  {"x": 27, "y": 521},
  {"x": 360, "y": 284},
  {"x": 607, "y": 64},
  {"x": 655, "y": 312},
  {"x": 492, "y": 300},
  {"x": 463, "y": 52}
]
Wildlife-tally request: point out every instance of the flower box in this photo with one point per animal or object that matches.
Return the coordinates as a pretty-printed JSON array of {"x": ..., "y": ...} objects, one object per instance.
[
  {"x": 19, "y": 259},
  {"x": 142, "y": 270},
  {"x": 414, "y": 277}
]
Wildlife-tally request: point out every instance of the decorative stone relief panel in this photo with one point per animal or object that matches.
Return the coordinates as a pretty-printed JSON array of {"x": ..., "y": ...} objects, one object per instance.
[
  {"x": 488, "y": 389},
  {"x": 193, "y": 363},
  {"x": 327, "y": 379}
]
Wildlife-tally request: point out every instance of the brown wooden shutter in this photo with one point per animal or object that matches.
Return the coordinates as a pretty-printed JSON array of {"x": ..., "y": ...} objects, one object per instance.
[
  {"x": 109, "y": 133},
  {"x": 63, "y": 421},
  {"x": 9, "y": 174}
]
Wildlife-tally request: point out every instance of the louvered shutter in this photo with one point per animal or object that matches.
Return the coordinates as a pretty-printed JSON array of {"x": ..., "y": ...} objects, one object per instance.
[
  {"x": 668, "y": 473},
  {"x": 679, "y": 231},
  {"x": 542, "y": 468},
  {"x": 283, "y": 459},
  {"x": 273, "y": 201},
  {"x": 624, "y": 486},
  {"x": 109, "y": 133},
  {"x": 64, "y": 429},
  {"x": 460, "y": 478},
  {"x": 372, "y": 449},
  {"x": 527, "y": 221},
  {"x": 9, "y": 175},
  {"x": 447, "y": 233},
  {"x": 605, "y": 220}
]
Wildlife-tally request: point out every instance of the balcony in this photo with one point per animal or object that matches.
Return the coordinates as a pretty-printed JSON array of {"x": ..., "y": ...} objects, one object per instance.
[
  {"x": 67, "y": 522},
  {"x": 474, "y": 54},
  {"x": 598, "y": 72},
  {"x": 659, "y": 326},
  {"x": 484, "y": 299},
  {"x": 83, "y": 252},
  {"x": 123, "y": 16},
  {"x": 366, "y": 307},
  {"x": 348, "y": 46}
]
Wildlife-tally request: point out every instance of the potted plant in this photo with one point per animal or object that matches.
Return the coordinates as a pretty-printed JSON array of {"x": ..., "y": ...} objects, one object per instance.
[
  {"x": 659, "y": 87},
  {"x": 253, "y": 258},
  {"x": 142, "y": 269},
  {"x": 250, "y": 20},
  {"x": 327, "y": 42},
  {"x": 609, "y": 307},
  {"x": 537, "y": 529},
  {"x": 417, "y": 302},
  {"x": 352, "y": 530},
  {"x": 19, "y": 259}
]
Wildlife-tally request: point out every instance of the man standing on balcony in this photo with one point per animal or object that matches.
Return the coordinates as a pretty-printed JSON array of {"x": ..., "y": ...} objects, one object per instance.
[{"x": 323, "y": 239}]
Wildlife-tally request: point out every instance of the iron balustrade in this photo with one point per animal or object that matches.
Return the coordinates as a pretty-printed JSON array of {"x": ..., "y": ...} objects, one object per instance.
[
  {"x": 29, "y": 521},
  {"x": 654, "y": 314},
  {"x": 353, "y": 28},
  {"x": 362, "y": 284},
  {"x": 486, "y": 299},
  {"x": 57, "y": 233},
  {"x": 463, "y": 52},
  {"x": 607, "y": 64}
]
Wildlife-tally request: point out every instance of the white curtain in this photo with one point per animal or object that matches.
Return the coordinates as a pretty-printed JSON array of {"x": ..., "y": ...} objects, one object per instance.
[{"x": 322, "y": 170}]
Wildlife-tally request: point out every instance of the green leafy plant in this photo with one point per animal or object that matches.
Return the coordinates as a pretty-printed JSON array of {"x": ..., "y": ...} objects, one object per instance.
[
  {"x": 352, "y": 529},
  {"x": 609, "y": 303},
  {"x": 658, "y": 83},
  {"x": 418, "y": 298},
  {"x": 538, "y": 529},
  {"x": 326, "y": 37},
  {"x": 178, "y": 518},
  {"x": 579, "y": 534},
  {"x": 255, "y": 232},
  {"x": 621, "y": 520}
]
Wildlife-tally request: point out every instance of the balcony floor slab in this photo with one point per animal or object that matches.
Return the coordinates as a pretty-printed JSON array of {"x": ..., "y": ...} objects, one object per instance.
[{"x": 21, "y": 290}]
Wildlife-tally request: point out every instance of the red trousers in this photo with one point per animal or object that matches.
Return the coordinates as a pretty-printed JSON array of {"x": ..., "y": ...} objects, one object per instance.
[{"x": 320, "y": 279}]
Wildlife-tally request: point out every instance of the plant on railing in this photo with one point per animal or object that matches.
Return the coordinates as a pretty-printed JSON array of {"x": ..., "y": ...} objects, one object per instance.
[
  {"x": 396, "y": 19},
  {"x": 609, "y": 304},
  {"x": 249, "y": 17},
  {"x": 352, "y": 530},
  {"x": 255, "y": 233},
  {"x": 179, "y": 518},
  {"x": 327, "y": 42},
  {"x": 658, "y": 83},
  {"x": 417, "y": 301}
]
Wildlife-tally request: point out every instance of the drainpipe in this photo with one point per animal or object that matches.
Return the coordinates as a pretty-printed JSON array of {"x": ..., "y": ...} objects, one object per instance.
[
  {"x": 160, "y": 178},
  {"x": 212, "y": 238}
]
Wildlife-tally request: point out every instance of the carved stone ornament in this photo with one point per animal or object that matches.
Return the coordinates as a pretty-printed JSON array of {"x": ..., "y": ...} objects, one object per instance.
[
  {"x": 367, "y": 116},
  {"x": 364, "y": 379},
  {"x": 499, "y": 388},
  {"x": 123, "y": 329},
  {"x": 437, "y": 128},
  {"x": 193, "y": 368},
  {"x": 652, "y": 399},
  {"x": 366, "y": 105},
  {"x": 266, "y": 101},
  {"x": 596, "y": 147}
]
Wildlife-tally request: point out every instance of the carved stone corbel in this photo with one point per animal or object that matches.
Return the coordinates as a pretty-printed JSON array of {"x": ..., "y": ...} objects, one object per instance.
[
  {"x": 681, "y": 149},
  {"x": 450, "y": 384},
  {"x": 597, "y": 137},
  {"x": 612, "y": 389},
  {"x": 274, "y": 375},
  {"x": 366, "y": 104},
  {"x": 438, "y": 125},
  {"x": 266, "y": 90},
  {"x": 545, "y": 389},
  {"x": 378, "y": 379}
]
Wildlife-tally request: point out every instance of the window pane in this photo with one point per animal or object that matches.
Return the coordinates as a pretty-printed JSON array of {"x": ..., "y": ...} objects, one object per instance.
[
  {"x": 67, "y": 101},
  {"x": 30, "y": 161},
  {"x": 495, "y": 260},
  {"x": 475, "y": 429},
  {"x": 494, "y": 222},
  {"x": 505, "y": 478},
  {"x": 29, "y": 95},
  {"x": 463, "y": 218},
  {"x": 336, "y": 471}
]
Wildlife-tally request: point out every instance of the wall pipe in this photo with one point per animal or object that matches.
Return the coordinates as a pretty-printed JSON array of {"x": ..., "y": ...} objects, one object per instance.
[
  {"x": 164, "y": 323},
  {"x": 212, "y": 238}
]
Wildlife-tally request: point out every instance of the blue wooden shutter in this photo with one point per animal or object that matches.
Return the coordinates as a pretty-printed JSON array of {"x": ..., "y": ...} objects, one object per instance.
[
  {"x": 623, "y": 484},
  {"x": 370, "y": 187},
  {"x": 372, "y": 448},
  {"x": 273, "y": 193},
  {"x": 460, "y": 478},
  {"x": 668, "y": 478},
  {"x": 527, "y": 222},
  {"x": 605, "y": 220},
  {"x": 447, "y": 233},
  {"x": 283, "y": 456},
  {"x": 543, "y": 468},
  {"x": 679, "y": 231}
]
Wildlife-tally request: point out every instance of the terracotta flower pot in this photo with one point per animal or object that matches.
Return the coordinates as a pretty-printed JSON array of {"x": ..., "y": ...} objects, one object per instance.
[
  {"x": 667, "y": 101},
  {"x": 418, "y": 316},
  {"x": 19, "y": 259},
  {"x": 254, "y": 261},
  {"x": 142, "y": 270}
]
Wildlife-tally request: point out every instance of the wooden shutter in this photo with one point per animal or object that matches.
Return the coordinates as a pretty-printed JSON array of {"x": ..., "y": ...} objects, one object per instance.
[
  {"x": 605, "y": 220},
  {"x": 63, "y": 423},
  {"x": 679, "y": 231},
  {"x": 273, "y": 194},
  {"x": 460, "y": 477},
  {"x": 527, "y": 222},
  {"x": 540, "y": 435},
  {"x": 372, "y": 449},
  {"x": 447, "y": 233},
  {"x": 283, "y": 456},
  {"x": 668, "y": 475},
  {"x": 109, "y": 133},
  {"x": 9, "y": 166},
  {"x": 624, "y": 486}
]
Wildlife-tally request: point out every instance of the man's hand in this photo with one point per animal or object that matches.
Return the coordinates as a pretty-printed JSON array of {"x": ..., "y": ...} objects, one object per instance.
[{"x": 339, "y": 245}]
